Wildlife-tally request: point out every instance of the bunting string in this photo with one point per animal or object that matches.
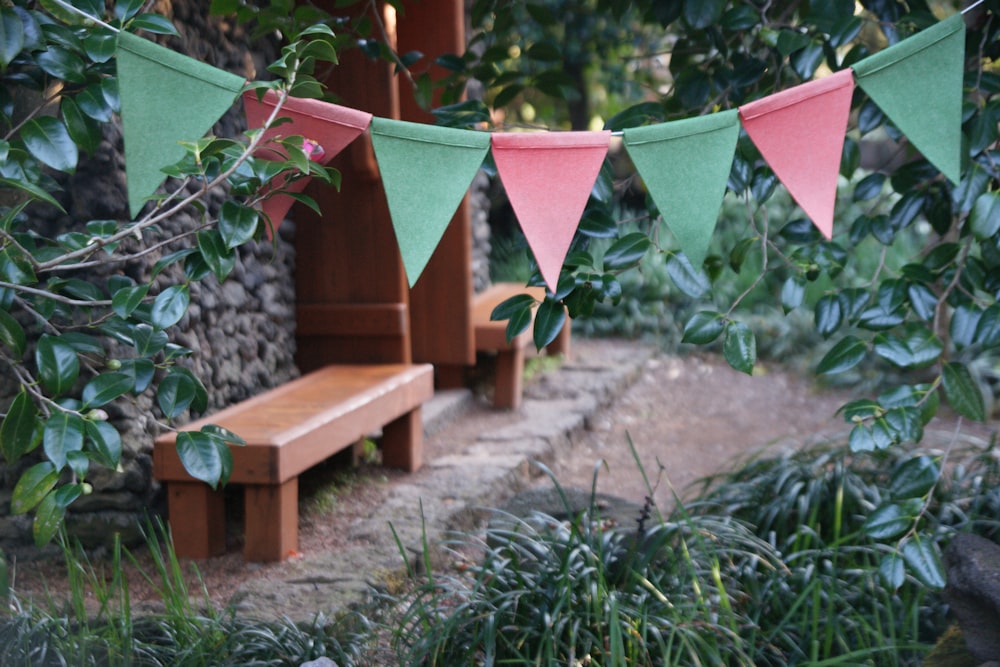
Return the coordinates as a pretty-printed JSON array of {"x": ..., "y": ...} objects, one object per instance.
[{"x": 548, "y": 176}]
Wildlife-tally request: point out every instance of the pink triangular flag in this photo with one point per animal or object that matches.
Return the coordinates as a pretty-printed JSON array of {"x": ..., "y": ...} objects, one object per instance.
[
  {"x": 800, "y": 132},
  {"x": 548, "y": 177},
  {"x": 328, "y": 128}
]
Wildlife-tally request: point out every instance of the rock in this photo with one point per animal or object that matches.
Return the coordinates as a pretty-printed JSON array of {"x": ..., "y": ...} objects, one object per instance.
[
  {"x": 320, "y": 662},
  {"x": 973, "y": 591}
]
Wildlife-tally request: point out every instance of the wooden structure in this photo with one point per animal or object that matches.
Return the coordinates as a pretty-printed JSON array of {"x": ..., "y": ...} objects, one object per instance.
[
  {"x": 287, "y": 431},
  {"x": 449, "y": 322}
]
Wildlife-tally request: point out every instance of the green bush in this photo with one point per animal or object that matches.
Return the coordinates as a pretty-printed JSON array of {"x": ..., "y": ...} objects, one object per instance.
[
  {"x": 776, "y": 563},
  {"x": 96, "y": 625}
]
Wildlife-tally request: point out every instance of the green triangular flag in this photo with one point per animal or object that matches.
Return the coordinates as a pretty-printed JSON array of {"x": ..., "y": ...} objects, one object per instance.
[
  {"x": 685, "y": 165},
  {"x": 166, "y": 97},
  {"x": 426, "y": 170},
  {"x": 918, "y": 84}
]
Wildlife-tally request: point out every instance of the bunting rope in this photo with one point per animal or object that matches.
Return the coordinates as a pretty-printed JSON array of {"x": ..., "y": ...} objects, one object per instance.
[
  {"x": 77, "y": 10},
  {"x": 799, "y": 131}
]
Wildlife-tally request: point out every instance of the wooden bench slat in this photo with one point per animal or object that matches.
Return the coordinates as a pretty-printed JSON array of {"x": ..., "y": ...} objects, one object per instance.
[
  {"x": 295, "y": 426},
  {"x": 288, "y": 430}
]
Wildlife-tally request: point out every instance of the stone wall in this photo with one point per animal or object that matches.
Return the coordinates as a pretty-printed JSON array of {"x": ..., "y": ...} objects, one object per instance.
[{"x": 241, "y": 331}]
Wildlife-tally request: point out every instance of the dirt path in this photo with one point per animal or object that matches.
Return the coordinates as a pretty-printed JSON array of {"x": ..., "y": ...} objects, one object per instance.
[{"x": 695, "y": 416}]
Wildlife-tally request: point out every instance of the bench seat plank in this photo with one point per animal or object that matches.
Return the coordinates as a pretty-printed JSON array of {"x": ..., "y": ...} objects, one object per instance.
[{"x": 288, "y": 430}]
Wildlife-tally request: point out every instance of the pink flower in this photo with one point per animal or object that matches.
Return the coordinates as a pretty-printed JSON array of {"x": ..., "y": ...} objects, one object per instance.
[{"x": 313, "y": 149}]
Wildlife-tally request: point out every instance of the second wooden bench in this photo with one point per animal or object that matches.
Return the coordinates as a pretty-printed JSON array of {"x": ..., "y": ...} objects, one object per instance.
[
  {"x": 491, "y": 336},
  {"x": 288, "y": 430}
]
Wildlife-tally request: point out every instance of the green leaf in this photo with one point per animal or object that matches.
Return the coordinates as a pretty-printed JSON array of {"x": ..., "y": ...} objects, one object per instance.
[
  {"x": 805, "y": 61},
  {"x": 11, "y": 36},
  {"x": 105, "y": 388},
  {"x": 58, "y": 364},
  {"x": 83, "y": 130},
  {"x": 223, "y": 434},
  {"x": 63, "y": 433},
  {"x": 924, "y": 561},
  {"x": 861, "y": 439},
  {"x": 4, "y": 580},
  {"x": 792, "y": 293},
  {"x": 35, "y": 483},
  {"x": 740, "y": 251},
  {"x": 703, "y": 327},
  {"x": 31, "y": 189},
  {"x": 790, "y": 41},
  {"x": 626, "y": 251},
  {"x": 61, "y": 63},
  {"x": 923, "y": 300},
  {"x": 914, "y": 478},
  {"x": 702, "y": 13},
  {"x": 105, "y": 443},
  {"x": 200, "y": 456},
  {"x": 845, "y": 355},
  {"x": 740, "y": 347},
  {"x": 170, "y": 306},
  {"x": 126, "y": 9},
  {"x": 549, "y": 321},
  {"x": 175, "y": 394},
  {"x": 93, "y": 103},
  {"x": 962, "y": 392},
  {"x": 12, "y": 334},
  {"x": 889, "y": 521},
  {"x": 598, "y": 223},
  {"x": 100, "y": 46},
  {"x": 200, "y": 402},
  {"x": 126, "y": 300},
  {"x": 147, "y": 340},
  {"x": 987, "y": 328},
  {"x": 906, "y": 424},
  {"x": 48, "y": 140},
  {"x": 48, "y": 519},
  {"x": 869, "y": 187},
  {"x": 829, "y": 314},
  {"x": 237, "y": 223},
  {"x": 511, "y": 307},
  {"x": 154, "y": 23},
  {"x": 689, "y": 280},
  {"x": 892, "y": 570},
  {"x": 914, "y": 347},
  {"x": 141, "y": 372},
  {"x": 518, "y": 322},
  {"x": 19, "y": 431},
  {"x": 985, "y": 215},
  {"x": 219, "y": 259}
]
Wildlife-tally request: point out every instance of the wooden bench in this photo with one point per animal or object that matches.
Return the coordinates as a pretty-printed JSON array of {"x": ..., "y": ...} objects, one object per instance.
[
  {"x": 491, "y": 337},
  {"x": 288, "y": 430}
]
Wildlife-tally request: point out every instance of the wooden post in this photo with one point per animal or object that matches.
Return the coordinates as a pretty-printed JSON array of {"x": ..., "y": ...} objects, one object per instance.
[
  {"x": 350, "y": 254},
  {"x": 440, "y": 322}
]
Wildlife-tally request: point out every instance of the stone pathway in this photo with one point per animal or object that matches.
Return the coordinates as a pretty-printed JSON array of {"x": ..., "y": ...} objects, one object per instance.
[{"x": 475, "y": 457}]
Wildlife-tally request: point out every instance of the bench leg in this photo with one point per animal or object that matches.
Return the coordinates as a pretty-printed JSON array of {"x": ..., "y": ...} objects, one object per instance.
[
  {"x": 197, "y": 519},
  {"x": 272, "y": 521},
  {"x": 509, "y": 378},
  {"x": 561, "y": 345},
  {"x": 403, "y": 442}
]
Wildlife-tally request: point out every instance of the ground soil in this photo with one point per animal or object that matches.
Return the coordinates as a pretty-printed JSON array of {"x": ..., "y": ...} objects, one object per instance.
[{"x": 688, "y": 417}]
